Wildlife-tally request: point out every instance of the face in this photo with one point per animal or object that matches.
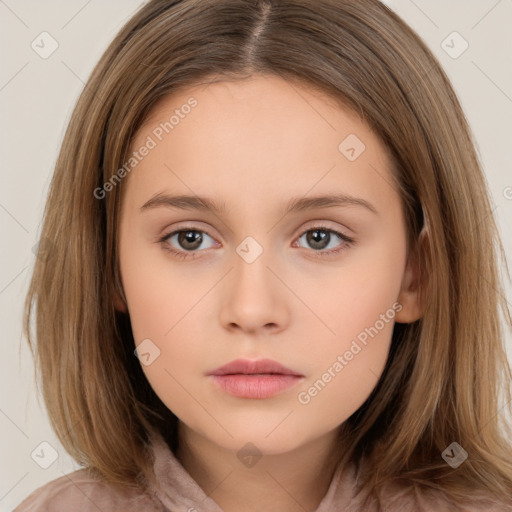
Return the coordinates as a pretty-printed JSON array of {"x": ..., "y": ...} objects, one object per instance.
[{"x": 316, "y": 287}]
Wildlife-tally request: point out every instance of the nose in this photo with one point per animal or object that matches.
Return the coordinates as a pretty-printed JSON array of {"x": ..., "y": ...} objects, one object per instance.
[{"x": 254, "y": 300}]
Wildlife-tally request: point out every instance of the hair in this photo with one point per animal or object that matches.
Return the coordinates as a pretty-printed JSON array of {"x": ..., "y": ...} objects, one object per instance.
[{"x": 445, "y": 374}]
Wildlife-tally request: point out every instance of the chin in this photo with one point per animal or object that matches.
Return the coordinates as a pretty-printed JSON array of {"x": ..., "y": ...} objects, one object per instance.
[{"x": 256, "y": 438}]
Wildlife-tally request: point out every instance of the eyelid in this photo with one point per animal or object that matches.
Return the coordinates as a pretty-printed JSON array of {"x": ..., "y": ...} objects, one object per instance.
[
  {"x": 304, "y": 227},
  {"x": 325, "y": 224},
  {"x": 345, "y": 239},
  {"x": 185, "y": 227}
]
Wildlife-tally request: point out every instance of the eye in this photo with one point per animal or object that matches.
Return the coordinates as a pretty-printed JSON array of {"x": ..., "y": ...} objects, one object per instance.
[
  {"x": 188, "y": 241},
  {"x": 320, "y": 238}
]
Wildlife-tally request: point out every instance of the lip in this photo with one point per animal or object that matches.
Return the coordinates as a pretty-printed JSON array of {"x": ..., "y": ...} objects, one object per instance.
[
  {"x": 258, "y": 379},
  {"x": 259, "y": 366}
]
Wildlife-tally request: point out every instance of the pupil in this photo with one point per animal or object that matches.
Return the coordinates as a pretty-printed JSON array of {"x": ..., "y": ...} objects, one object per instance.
[
  {"x": 317, "y": 238},
  {"x": 190, "y": 237}
]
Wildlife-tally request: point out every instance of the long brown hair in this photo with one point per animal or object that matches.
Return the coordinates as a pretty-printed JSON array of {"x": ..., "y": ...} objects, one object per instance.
[{"x": 446, "y": 373}]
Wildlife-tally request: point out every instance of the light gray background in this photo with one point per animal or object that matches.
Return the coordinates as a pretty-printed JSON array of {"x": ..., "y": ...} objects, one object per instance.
[{"x": 36, "y": 99}]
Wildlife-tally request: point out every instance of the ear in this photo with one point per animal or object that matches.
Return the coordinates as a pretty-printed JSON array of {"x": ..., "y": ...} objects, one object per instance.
[
  {"x": 413, "y": 284},
  {"x": 119, "y": 304},
  {"x": 119, "y": 301}
]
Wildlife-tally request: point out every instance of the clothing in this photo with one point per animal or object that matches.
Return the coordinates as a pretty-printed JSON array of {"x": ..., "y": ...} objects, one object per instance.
[{"x": 176, "y": 491}]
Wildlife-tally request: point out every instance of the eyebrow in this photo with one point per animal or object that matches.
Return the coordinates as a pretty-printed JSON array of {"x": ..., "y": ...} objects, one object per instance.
[{"x": 298, "y": 204}]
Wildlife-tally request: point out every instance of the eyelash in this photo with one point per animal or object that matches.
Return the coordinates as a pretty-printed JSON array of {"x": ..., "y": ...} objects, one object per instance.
[{"x": 192, "y": 254}]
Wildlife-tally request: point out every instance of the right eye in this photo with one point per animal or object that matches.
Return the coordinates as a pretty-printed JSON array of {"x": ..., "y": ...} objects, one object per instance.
[{"x": 188, "y": 240}]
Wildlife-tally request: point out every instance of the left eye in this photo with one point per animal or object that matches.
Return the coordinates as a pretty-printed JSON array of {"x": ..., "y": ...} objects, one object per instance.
[
  {"x": 320, "y": 238},
  {"x": 189, "y": 240}
]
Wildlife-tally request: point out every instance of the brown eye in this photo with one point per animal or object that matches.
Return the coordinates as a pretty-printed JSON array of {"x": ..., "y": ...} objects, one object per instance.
[
  {"x": 320, "y": 238},
  {"x": 189, "y": 240},
  {"x": 186, "y": 241}
]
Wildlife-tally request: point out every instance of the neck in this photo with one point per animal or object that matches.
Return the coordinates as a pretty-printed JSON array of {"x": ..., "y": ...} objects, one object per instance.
[{"x": 287, "y": 482}]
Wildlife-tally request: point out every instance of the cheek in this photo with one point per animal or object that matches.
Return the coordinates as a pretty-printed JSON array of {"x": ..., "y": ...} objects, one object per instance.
[
  {"x": 158, "y": 292},
  {"x": 164, "y": 304},
  {"x": 360, "y": 307}
]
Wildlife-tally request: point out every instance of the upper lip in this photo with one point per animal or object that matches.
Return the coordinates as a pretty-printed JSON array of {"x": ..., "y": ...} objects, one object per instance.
[{"x": 248, "y": 367}]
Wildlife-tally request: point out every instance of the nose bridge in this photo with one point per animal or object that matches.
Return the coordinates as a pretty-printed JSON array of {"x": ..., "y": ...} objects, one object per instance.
[
  {"x": 253, "y": 300},
  {"x": 251, "y": 263}
]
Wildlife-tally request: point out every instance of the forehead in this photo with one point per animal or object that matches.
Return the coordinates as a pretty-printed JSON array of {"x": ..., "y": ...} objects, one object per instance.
[{"x": 259, "y": 137}]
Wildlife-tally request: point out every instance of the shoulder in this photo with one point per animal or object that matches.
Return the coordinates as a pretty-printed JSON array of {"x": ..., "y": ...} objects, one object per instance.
[
  {"x": 483, "y": 503},
  {"x": 412, "y": 500},
  {"x": 81, "y": 491},
  {"x": 407, "y": 497}
]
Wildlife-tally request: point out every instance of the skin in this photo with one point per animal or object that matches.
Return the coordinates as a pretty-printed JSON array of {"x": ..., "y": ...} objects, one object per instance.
[{"x": 255, "y": 144}]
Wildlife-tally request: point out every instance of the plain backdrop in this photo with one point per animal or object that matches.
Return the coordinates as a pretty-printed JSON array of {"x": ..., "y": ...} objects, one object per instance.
[{"x": 37, "y": 96}]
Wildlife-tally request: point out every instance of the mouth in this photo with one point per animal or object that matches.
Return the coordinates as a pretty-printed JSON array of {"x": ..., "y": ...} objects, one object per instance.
[{"x": 258, "y": 379}]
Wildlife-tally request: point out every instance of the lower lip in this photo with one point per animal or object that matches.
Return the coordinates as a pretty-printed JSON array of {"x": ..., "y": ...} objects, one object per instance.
[{"x": 255, "y": 386}]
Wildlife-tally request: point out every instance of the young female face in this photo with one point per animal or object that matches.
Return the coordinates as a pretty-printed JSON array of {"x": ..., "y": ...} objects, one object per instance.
[{"x": 251, "y": 281}]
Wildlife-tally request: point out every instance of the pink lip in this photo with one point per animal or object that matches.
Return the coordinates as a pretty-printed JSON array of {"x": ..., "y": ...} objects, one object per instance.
[
  {"x": 254, "y": 379},
  {"x": 248, "y": 367}
]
